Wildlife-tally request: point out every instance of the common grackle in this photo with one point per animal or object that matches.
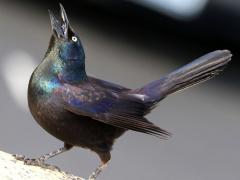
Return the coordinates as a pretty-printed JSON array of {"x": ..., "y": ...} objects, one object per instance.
[{"x": 91, "y": 113}]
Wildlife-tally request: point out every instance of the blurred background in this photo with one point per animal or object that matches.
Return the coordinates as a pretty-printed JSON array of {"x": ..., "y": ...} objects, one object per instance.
[{"x": 132, "y": 42}]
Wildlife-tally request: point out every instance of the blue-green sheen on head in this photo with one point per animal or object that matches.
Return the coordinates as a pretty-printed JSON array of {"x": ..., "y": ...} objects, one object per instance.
[
  {"x": 72, "y": 50},
  {"x": 64, "y": 40},
  {"x": 66, "y": 50}
]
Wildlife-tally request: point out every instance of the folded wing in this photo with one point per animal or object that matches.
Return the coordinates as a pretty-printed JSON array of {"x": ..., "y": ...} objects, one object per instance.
[{"x": 114, "y": 109}]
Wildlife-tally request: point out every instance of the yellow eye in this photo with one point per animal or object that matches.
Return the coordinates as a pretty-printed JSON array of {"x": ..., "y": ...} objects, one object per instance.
[{"x": 74, "y": 38}]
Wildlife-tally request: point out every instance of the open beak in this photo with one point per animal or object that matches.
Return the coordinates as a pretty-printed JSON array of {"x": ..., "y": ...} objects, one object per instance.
[{"x": 60, "y": 28}]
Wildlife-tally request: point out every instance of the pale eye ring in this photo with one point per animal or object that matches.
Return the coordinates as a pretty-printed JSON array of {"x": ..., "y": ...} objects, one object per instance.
[{"x": 74, "y": 38}]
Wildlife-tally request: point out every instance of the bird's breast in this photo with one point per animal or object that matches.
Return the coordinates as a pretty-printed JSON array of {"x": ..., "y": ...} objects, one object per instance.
[{"x": 47, "y": 107}]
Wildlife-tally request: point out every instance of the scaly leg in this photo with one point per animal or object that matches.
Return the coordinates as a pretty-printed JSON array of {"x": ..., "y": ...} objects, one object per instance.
[
  {"x": 98, "y": 171},
  {"x": 105, "y": 158},
  {"x": 41, "y": 160}
]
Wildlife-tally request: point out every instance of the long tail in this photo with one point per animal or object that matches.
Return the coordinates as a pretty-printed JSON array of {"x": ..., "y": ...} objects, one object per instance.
[{"x": 200, "y": 70}]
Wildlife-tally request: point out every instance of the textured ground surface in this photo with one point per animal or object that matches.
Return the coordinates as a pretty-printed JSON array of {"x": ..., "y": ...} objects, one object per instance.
[{"x": 12, "y": 169}]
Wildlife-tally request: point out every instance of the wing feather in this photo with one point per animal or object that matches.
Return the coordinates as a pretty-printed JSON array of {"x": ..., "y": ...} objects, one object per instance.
[{"x": 120, "y": 110}]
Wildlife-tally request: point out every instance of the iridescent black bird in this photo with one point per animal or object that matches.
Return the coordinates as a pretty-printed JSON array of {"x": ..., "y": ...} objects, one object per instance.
[{"x": 91, "y": 113}]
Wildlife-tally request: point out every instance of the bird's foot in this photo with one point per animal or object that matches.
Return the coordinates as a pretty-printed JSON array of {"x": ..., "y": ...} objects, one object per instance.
[
  {"x": 97, "y": 171},
  {"x": 36, "y": 162}
]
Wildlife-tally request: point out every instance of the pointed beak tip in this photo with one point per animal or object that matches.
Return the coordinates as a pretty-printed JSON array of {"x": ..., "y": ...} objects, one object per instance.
[
  {"x": 52, "y": 16},
  {"x": 63, "y": 14},
  {"x": 56, "y": 27},
  {"x": 50, "y": 12},
  {"x": 60, "y": 4},
  {"x": 61, "y": 27}
]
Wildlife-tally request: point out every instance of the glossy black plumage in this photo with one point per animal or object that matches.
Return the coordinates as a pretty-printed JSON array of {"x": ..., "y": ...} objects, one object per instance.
[{"x": 91, "y": 113}]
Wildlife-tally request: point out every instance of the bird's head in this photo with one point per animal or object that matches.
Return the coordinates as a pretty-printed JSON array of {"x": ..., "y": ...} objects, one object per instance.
[
  {"x": 65, "y": 48},
  {"x": 65, "y": 40}
]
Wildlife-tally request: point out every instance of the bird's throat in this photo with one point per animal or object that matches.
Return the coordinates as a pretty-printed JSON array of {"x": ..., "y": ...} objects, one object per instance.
[{"x": 74, "y": 73}]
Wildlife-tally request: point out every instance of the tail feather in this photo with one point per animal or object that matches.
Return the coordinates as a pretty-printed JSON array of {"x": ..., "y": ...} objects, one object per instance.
[{"x": 200, "y": 70}]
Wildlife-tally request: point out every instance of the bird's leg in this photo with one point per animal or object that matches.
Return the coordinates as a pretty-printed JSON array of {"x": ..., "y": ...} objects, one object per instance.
[
  {"x": 65, "y": 148},
  {"x": 105, "y": 158},
  {"x": 98, "y": 171},
  {"x": 41, "y": 160}
]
